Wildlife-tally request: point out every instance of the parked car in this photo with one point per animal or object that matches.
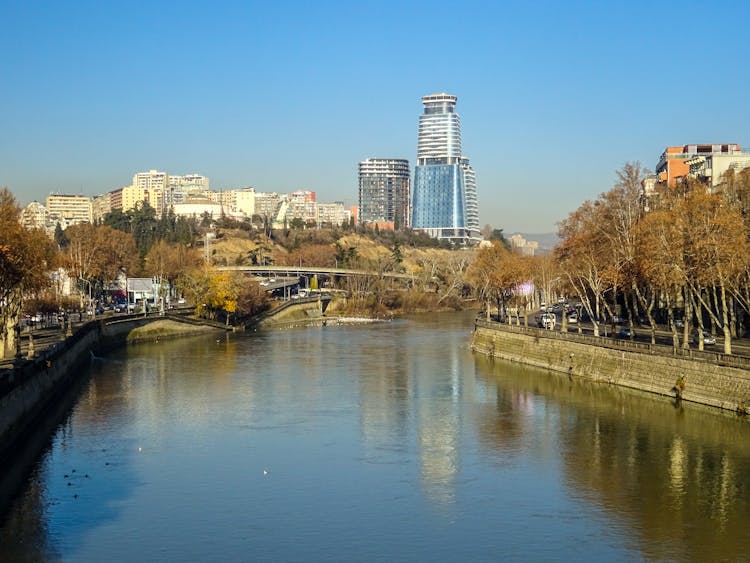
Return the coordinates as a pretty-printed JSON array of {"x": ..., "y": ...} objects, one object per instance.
[
  {"x": 546, "y": 320},
  {"x": 708, "y": 340},
  {"x": 625, "y": 332},
  {"x": 573, "y": 318}
]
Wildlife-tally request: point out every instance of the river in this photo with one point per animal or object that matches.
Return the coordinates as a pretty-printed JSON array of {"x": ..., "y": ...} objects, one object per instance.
[{"x": 379, "y": 442}]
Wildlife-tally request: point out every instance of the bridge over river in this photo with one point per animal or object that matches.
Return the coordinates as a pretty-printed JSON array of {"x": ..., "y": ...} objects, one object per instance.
[{"x": 309, "y": 271}]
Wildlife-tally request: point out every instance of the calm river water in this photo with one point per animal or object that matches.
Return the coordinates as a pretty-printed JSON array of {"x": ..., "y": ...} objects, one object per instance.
[{"x": 387, "y": 442}]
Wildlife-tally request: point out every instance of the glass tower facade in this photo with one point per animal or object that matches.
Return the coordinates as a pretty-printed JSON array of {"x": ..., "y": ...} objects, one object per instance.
[{"x": 444, "y": 201}]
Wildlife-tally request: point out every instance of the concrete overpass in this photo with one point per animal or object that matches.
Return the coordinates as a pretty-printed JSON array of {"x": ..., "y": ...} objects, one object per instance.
[{"x": 289, "y": 271}]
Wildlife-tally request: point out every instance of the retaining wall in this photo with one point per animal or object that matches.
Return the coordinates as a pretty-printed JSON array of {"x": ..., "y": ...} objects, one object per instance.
[{"x": 706, "y": 383}]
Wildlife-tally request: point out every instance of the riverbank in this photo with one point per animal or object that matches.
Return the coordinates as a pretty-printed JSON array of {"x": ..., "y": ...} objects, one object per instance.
[
  {"x": 164, "y": 329},
  {"x": 649, "y": 369}
]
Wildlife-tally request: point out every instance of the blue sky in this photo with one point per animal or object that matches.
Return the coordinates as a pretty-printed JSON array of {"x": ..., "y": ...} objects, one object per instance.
[{"x": 553, "y": 96}]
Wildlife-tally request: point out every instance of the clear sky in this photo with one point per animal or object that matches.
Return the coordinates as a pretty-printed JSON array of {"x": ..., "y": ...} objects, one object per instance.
[{"x": 553, "y": 96}]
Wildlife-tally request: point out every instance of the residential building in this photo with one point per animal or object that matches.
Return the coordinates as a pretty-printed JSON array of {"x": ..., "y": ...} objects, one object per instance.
[
  {"x": 189, "y": 182},
  {"x": 182, "y": 188},
  {"x": 525, "y": 247},
  {"x": 267, "y": 204},
  {"x": 441, "y": 205},
  {"x": 384, "y": 191},
  {"x": 704, "y": 162},
  {"x": 115, "y": 199},
  {"x": 68, "y": 209},
  {"x": 243, "y": 201},
  {"x": 222, "y": 198},
  {"x": 100, "y": 206},
  {"x": 301, "y": 205},
  {"x": 134, "y": 196},
  {"x": 34, "y": 216},
  {"x": 472, "y": 205},
  {"x": 709, "y": 167},
  {"x": 156, "y": 187},
  {"x": 332, "y": 214}
]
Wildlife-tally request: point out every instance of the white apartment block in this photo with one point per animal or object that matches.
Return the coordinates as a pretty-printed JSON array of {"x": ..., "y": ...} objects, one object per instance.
[
  {"x": 527, "y": 248},
  {"x": 267, "y": 204},
  {"x": 332, "y": 214},
  {"x": 301, "y": 205},
  {"x": 34, "y": 216},
  {"x": 712, "y": 166},
  {"x": 189, "y": 183},
  {"x": 243, "y": 201},
  {"x": 69, "y": 209}
]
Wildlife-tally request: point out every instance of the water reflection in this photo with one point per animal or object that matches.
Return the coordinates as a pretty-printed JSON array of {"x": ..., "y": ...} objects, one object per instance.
[
  {"x": 387, "y": 441},
  {"x": 676, "y": 478}
]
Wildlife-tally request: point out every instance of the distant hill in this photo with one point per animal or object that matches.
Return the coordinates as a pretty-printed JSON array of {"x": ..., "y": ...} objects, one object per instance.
[{"x": 546, "y": 240}]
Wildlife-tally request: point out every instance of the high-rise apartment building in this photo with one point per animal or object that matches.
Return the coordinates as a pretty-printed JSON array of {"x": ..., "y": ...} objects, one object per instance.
[
  {"x": 384, "y": 192},
  {"x": 444, "y": 201}
]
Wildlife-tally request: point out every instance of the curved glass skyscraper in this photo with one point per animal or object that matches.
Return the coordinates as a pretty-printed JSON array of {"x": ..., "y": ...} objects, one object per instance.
[{"x": 444, "y": 203}]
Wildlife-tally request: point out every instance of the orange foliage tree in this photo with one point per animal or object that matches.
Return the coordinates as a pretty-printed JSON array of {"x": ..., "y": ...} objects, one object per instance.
[{"x": 26, "y": 259}]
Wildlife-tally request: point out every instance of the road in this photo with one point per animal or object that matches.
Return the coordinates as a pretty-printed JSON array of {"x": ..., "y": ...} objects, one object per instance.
[{"x": 663, "y": 336}]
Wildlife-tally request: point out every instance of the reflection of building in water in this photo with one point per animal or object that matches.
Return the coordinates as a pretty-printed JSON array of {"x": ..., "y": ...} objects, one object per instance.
[
  {"x": 384, "y": 392},
  {"x": 438, "y": 424},
  {"x": 408, "y": 399},
  {"x": 438, "y": 442}
]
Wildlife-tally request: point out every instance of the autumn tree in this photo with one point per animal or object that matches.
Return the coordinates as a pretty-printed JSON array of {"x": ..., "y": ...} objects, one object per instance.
[
  {"x": 586, "y": 260},
  {"x": 167, "y": 261},
  {"x": 96, "y": 255},
  {"x": 26, "y": 258},
  {"x": 497, "y": 274},
  {"x": 222, "y": 295},
  {"x": 660, "y": 261},
  {"x": 716, "y": 250}
]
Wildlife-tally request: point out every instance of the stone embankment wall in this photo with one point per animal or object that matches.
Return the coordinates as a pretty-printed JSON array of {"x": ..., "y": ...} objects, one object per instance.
[
  {"x": 293, "y": 313},
  {"x": 647, "y": 369},
  {"x": 27, "y": 390}
]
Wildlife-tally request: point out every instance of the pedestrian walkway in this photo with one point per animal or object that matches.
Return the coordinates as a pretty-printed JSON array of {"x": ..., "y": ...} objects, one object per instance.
[{"x": 41, "y": 339}]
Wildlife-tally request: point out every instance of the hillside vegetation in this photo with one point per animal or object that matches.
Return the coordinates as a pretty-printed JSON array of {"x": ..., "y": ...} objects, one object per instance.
[{"x": 437, "y": 274}]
